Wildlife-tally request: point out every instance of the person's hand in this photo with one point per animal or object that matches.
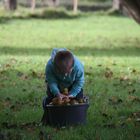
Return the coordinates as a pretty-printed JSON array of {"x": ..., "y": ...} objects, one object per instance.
[
  {"x": 61, "y": 96},
  {"x": 70, "y": 96},
  {"x": 66, "y": 97}
]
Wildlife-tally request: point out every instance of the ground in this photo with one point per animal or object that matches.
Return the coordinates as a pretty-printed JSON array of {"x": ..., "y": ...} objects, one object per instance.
[{"x": 108, "y": 46}]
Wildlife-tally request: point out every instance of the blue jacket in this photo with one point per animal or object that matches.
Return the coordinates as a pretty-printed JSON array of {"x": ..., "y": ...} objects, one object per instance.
[{"x": 58, "y": 82}]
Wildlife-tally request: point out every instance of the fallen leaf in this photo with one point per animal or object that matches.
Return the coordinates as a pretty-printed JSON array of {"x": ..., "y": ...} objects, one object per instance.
[
  {"x": 99, "y": 65},
  {"x": 136, "y": 118},
  {"x": 134, "y": 98},
  {"x": 6, "y": 103},
  {"x": 106, "y": 115},
  {"x": 15, "y": 107},
  {"x": 34, "y": 74},
  {"x": 37, "y": 75},
  {"x": 88, "y": 73},
  {"x": 13, "y": 60},
  {"x": 133, "y": 71},
  {"x": 2, "y": 85},
  {"x": 19, "y": 73},
  {"x": 129, "y": 119},
  {"x": 108, "y": 73},
  {"x": 131, "y": 91},
  {"x": 130, "y": 84},
  {"x": 8, "y": 125},
  {"x": 115, "y": 100},
  {"x": 24, "y": 77},
  {"x": 13, "y": 83},
  {"x": 24, "y": 89},
  {"x": 41, "y": 135},
  {"x": 44, "y": 136},
  {"x": 8, "y": 99},
  {"x": 114, "y": 63},
  {"x": 135, "y": 115},
  {"x": 124, "y": 78},
  {"x": 7, "y": 65},
  {"x": 110, "y": 125}
]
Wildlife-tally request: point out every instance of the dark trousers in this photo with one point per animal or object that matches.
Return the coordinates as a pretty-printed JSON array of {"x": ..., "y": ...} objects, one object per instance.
[{"x": 50, "y": 96}]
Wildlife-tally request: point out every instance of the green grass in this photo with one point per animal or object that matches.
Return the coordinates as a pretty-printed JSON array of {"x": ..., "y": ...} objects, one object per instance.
[{"x": 105, "y": 44}]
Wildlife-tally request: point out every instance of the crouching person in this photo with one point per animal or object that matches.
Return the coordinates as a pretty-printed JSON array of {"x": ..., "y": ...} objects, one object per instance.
[{"x": 63, "y": 70}]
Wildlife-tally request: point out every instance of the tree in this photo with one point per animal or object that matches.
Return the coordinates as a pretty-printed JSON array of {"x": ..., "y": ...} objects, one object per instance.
[
  {"x": 75, "y": 6},
  {"x": 116, "y": 5},
  {"x": 33, "y": 5},
  {"x": 43, "y": 2},
  {"x": 10, "y": 5},
  {"x": 53, "y": 3},
  {"x": 133, "y": 8}
]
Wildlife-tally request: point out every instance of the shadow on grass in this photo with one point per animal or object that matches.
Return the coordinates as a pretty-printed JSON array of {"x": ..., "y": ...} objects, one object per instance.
[
  {"x": 81, "y": 51},
  {"x": 50, "y": 14},
  {"x": 54, "y": 14}
]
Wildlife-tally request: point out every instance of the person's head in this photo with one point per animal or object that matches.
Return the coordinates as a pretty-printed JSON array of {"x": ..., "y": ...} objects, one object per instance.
[{"x": 63, "y": 62}]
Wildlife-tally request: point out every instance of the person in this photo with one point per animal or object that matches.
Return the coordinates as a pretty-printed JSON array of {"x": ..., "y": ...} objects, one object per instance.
[{"x": 63, "y": 70}]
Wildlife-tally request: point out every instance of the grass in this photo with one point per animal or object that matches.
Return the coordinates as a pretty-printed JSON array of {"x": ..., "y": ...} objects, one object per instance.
[{"x": 109, "y": 48}]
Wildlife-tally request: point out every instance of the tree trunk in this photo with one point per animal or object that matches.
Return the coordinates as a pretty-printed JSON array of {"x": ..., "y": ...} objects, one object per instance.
[
  {"x": 75, "y": 6},
  {"x": 33, "y": 5},
  {"x": 116, "y": 5},
  {"x": 133, "y": 8},
  {"x": 44, "y": 3},
  {"x": 53, "y": 3},
  {"x": 10, "y": 5}
]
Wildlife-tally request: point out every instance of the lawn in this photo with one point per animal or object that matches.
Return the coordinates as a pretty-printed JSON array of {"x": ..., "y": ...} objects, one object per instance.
[{"x": 108, "y": 46}]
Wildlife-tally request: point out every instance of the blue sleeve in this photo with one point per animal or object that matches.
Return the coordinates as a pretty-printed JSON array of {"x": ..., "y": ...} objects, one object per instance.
[
  {"x": 79, "y": 82},
  {"x": 51, "y": 79}
]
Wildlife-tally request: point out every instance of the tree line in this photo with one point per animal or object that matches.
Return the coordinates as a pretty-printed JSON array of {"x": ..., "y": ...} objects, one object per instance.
[
  {"x": 132, "y": 6},
  {"x": 11, "y": 5}
]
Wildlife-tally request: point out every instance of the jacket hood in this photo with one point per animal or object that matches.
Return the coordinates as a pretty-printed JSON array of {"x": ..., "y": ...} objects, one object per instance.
[{"x": 55, "y": 51}]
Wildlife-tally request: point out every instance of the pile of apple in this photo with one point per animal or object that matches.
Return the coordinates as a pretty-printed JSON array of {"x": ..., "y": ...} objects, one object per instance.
[{"x": 66, "y": 101}]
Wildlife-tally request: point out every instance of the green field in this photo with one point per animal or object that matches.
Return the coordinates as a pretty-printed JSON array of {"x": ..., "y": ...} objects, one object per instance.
[{"x": 108, "y": 46}]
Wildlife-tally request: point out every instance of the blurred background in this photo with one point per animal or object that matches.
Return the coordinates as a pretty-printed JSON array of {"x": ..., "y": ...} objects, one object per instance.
[
  {"x": 102, "y": 34},
  {"x": 107, "y": 6},
  {"x": 75, "y": 5}
]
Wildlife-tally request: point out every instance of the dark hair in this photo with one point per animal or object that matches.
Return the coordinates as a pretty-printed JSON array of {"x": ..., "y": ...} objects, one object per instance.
[{"x": 63, "y": 61}]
